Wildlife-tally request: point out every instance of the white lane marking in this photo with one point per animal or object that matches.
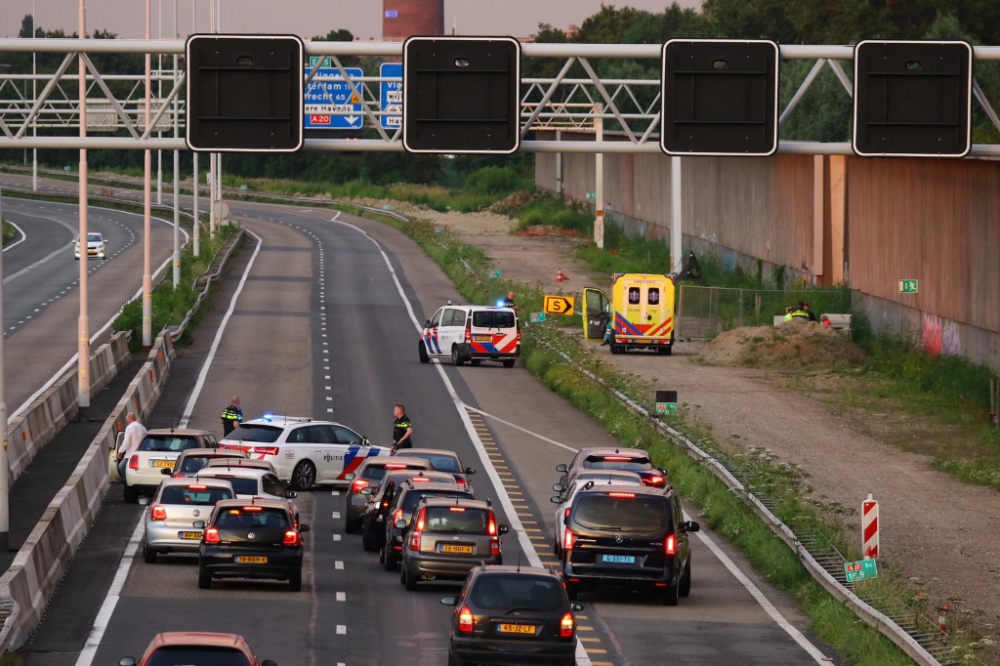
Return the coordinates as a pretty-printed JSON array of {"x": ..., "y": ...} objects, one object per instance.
[
  {"x": 337, "y": 537},
  {"x": 341, "y": 596},
  {"x": 20, "y": 240},
  {"x": 103, "y": 618},
  {"x": 200, "y": 384},
  {"x": 341, "y": 629},
  {"x": 339, "y": 565},
  {"x": 336, "y": 515},
  {"x": 754, "y": 591},
  {"x": 30, "y": 267},
  {"x": 582, "y": 658}
]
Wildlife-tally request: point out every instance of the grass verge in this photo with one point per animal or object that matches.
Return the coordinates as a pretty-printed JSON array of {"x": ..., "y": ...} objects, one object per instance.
[
  {"x": 9, "y": 232},
  {"x": 720, "y": 509}
]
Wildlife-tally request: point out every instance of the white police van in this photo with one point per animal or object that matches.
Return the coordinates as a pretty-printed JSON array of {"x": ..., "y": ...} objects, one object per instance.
[{"x": 471, "y": 333}]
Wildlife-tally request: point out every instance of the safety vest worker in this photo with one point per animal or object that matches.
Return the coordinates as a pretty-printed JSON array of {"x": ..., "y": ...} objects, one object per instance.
[
  {"x": 800, "y": 314},
  {"x": 232, "y": 416}
]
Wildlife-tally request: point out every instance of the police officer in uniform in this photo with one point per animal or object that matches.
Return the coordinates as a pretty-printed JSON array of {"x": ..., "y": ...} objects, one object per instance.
[
  {"x": 232, "y": 416},
  {"x": 402, "y": 429}
]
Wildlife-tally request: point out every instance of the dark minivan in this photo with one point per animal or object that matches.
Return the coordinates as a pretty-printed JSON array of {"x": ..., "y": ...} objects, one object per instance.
[{"x": 629, "y": 537}]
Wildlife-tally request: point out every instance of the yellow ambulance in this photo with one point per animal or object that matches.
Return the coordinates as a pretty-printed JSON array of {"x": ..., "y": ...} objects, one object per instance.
[{"x": 641, "y": 312}]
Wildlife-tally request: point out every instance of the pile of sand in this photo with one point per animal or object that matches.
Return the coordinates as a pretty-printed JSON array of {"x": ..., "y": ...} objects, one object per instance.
[
  {"x": 794, "y": 345},
  {"x": 513, "y": 203},
  {"x": 481, "y": 223}
]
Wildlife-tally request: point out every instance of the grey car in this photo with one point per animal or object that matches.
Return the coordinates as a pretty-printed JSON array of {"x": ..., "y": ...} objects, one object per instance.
[
  {"x": 370, "y": 475},
  {"x": 443, "y": 460},
  {"x": 177, "y": 506},
  {"x": 447, "y": 538}
]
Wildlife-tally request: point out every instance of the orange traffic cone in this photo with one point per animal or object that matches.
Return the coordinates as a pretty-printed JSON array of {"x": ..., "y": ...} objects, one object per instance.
[
  {"x": 560, "y": 276},
  {"x": 943, "y": 618}
]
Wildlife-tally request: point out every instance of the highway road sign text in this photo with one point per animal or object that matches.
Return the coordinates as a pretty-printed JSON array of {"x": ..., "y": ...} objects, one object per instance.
[
  {"x": 331, "y": 104},
  {"x": 863, "y": 570},
  {"x": 559, "y": 305},
  {"x": 390, "y": 98}
]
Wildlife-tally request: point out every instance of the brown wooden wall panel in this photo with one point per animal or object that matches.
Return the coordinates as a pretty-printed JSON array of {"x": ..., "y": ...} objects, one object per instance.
[{"x": 937, "y": 221}]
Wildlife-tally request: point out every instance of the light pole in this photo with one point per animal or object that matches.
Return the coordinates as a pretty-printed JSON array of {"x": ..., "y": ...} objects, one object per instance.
[
  {"x": 147, "y": 281},
  {"x": 4, "y": 472},
  {"x": 194, "y": 155},
  {"x": 211, "y": 156},
  {"x": 34, "y": 98},
  {"x": 177, "y": 176},
  {"x": 159, "y": 99},
  {"x": 83, "y": 335}
]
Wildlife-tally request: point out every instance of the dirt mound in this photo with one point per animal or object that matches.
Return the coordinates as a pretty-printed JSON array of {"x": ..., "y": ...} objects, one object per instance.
[
  {"x": 513, "y": 203},
  {"x": 794, "y": 345}
]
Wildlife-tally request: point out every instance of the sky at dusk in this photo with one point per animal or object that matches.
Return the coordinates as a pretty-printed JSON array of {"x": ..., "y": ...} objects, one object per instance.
[{"x": 305, "y": 17}]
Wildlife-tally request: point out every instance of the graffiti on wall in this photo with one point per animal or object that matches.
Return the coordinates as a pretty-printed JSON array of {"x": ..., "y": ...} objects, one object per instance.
[{"x": 940, "y": 336}]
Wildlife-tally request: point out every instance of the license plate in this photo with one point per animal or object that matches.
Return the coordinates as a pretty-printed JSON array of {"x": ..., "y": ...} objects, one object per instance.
[
  {"x": 451, "y": 548},
  {"x": 619, "y": 559},
  {"x": 191, "y": 535},
  {"x": 643, "y": 341},
  {"x": 483, "y": 338},
  {"x": 163, "y": 463},
  {"x": 517, "y": 629},
  {"x": 251, "y": 559}
]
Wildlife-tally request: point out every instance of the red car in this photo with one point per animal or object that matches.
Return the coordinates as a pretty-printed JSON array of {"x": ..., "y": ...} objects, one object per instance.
[{"x": 193, "y": 648}]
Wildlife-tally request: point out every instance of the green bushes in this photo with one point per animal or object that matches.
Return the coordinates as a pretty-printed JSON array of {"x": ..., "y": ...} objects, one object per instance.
[
  {"x": 8, "y": 232},
  {"x": 547, "y": 212},
  {"x": 495, "y": 180}
]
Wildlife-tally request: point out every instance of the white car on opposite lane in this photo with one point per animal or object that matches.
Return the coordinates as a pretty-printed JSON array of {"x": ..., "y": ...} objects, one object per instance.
[{"x": 96, "y": 247}]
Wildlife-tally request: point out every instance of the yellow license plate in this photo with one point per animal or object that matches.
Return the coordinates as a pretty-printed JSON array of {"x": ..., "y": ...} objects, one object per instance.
[
  {"x": 483, "y": 338},
  {"x": 517, "y": 628},
  {"x": 449, "y": 548},
  {"x": 251, "y": 559},
  {"x": 163, "y": 463},
  {"x": 643, "y": 341},
  {"x": 191, "y": 535}
]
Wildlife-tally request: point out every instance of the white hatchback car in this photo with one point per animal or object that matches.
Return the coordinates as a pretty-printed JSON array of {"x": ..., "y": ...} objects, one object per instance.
[
  {"x": 176, "y": 507},
  {"x": 249, "y": 483},
  {"x": 473, "y": 333},
  {"x": 159, "y": 450},
  {"x": 96, "y": 246},
  {"x": 582, "y": 482},
  {"x": 303, "y": 452}
]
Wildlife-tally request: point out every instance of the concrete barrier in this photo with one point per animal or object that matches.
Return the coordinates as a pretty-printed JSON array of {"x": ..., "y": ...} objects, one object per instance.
[
  {"x": 45, "y": 417},
  {"x": 29, "y": 584}
]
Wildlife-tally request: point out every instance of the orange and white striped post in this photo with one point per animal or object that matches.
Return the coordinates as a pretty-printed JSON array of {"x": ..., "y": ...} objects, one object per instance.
[{"x": 869, "y": 527}]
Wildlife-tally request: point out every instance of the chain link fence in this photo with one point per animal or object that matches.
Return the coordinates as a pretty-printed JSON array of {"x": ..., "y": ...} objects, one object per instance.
[{"x": 704, "y": 312}]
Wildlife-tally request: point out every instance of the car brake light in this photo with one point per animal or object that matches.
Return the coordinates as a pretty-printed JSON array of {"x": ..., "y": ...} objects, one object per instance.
[
  {"x": 654, "y": 480},
  {"x": 159, "y": 513},
  {"x": 466, "y": 622},
  {"x": 622, "y": 495},
  {"x": 291, "y": 538},
  {"x": 415, "y": 537},
  {"x": 266, "y": 450},
  {"x": 567, "y": 625},
  {"x": 461, "y": 509},
  {"x": 616, "y": 458},
  {"x": 420, "y": 519},
  {"x": 493, "y": 525},
  {"x": 468, "y": 334},
  {"x": 398, "y": 516},
  {"x": 671, "y": 545},
  {"x": 359, "y": 485},
  {"x": 253, "y": 509},
  {"x": 133, "y": 462},
  {"x": 197, "y": 487},
  {"x": 178, "y": 475},
  {"x": 415, "y": 541},
  {"x": 566, "y": 514},
  {"x": 420, "y": 479},
  {"x": 212, "y": 535},
  {"x": 568, "y": 540},
  {"x": 460, "y": 481},
  {"x": 395, "y": 466}
]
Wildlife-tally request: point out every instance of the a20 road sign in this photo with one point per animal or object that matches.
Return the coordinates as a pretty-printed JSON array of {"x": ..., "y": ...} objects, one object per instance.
[
  {"x": 325, "y": 99},
  {"x": 559, "y": 305}
]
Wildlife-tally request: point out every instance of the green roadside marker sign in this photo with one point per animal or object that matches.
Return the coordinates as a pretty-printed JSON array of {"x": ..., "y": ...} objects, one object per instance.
[
  {"x": 496, "y": 274},
  {"x": 439, "y": 230},
  {"x": 907, "y": 286},
  {"x": 69, "y": 168},
  {"x": 591, "y": 195},
  {"x": 244, "y": 187},
  {"x": 863, "y": 570},
  {"x": 537, "y": 317},
  {"x": 666, "y": 408},
  {"x": 327, "y": 62}
]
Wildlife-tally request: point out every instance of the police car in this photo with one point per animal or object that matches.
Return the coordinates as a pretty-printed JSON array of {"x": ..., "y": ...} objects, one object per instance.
[
  {"x": 302, "y": 451},
  {"x": 471, "y": 333}
]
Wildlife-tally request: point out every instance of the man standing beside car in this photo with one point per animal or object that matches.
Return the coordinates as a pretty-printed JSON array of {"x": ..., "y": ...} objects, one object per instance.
[
  {"x": 402, "y": 429},
  {"x": 134, "y": 434}
]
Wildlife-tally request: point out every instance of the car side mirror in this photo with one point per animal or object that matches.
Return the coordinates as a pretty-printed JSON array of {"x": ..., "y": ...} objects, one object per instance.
[
  {"x": 268, "y": 662},
  {"x": 561, "y": 468},
  {"x": 691, "y": 526},
  {"x": 126, "y": 661},
  {"x": 367, "y": 491},
  {"x": 166, "y": 471},
  {"x": 558, "y": 487},
  {"x": 365, "y": 441},
  {"x": 575, "y": 606},
  {"x": 304, "y": 528},
  {"x": 446, "y": 601},
  {"x": 504, "y": 529},
  {"x": 400, "y": 524},
  {"x": 200, "y": 524},
  {"x": 470, "y": 470},
  {"x": 427, "y": 324},
  {"x": 349, "y": 477},
  {"x": 286, "y": 484},
  {"x": 556, "y": 499},
  {"x": 291, "y": 494},
  {"x": 663, "y": 471}
]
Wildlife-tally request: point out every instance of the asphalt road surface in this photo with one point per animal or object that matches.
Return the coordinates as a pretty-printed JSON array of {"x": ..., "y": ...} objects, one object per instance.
[{"x": 321, "y": 327}]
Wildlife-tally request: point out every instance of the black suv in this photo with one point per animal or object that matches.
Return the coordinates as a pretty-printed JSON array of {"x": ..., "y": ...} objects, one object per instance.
[
  {"x": 512, "y": 615},
  {"x": 251, "y": 539},
  {"x": 409, "y": 495},
  {"x": 380, "y": 501},
  {"x": 631, "y": 537}
]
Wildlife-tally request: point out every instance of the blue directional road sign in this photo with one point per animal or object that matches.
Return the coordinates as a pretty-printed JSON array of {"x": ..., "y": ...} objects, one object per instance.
[
  {"x": 390, "y": 97},
  {"x": 325, "y": 99}
]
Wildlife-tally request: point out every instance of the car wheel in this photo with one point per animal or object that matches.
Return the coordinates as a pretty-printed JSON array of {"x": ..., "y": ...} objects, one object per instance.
[
  {"x": 671, "y": 595},
  {"x": 390, "y": 559},
  {"x": 148, "y": 554},
  {"x": 453, "y": 660},
  {"x": 476, "y": 362},
  {"x": 131, "y": 496},
  {"x": 381, "y": 555},
  {"x": 422, "y": 351},
  {"x": 508, "y": 363},
  {"x": 295, "y": 582},
  {"x": 456, "y": 358},
  {"x": 409, "y": 581},
  {"x": 204, "y": 580},
  {"x": 303, "y": 476},
  {"x": 684, "y": 587}
]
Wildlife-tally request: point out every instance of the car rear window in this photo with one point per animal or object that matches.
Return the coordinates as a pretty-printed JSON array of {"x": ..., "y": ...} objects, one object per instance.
[
  {"x": 240, "y": 518},
  {"x": 197, "y": 656},
  {"x": 507, "y": 591},
  {"x": 493, "y": 319},
  {"x": 411, "y": 500},
  {"x": 168, "y": 443},
  {"x": 193, "y": 464},
  {"x": 197, "y": 497},
  {"x": 251, "y": 432},
  {"x": 241, "y": 486},
  {"x": 613, "y": 462},
  {"x": 456, "y": 520},
  {"x": 621, "y": 514},
  {"x": 439, "y": 463},
  {"x": 376, "y": 472}
]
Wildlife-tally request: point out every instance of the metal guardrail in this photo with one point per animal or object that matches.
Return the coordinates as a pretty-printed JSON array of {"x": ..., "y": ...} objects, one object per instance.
[{"x": 204, "y": 282}]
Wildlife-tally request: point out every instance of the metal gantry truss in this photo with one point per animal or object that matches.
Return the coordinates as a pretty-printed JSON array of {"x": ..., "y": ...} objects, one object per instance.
[{"x": 629, "y": 108}]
